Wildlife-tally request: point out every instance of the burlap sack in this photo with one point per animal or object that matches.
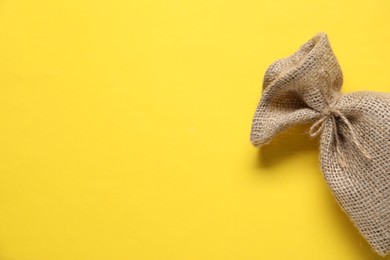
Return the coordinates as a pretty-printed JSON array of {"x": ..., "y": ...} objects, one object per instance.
[{"x": 354, "y": 130}]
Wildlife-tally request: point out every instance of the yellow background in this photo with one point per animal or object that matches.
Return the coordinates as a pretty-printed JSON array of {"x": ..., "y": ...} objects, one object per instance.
[{"x": 124, "y": 129}]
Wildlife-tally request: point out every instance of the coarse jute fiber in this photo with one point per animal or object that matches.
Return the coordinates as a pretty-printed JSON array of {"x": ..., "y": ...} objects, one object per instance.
[{"x": 354, "y": 131}]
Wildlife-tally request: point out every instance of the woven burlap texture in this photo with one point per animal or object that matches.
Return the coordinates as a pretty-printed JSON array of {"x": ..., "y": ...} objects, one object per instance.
[{"x": 354, "y": 132}]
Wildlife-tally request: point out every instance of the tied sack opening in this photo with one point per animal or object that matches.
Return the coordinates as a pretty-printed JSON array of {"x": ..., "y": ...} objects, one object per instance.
[
  {"x": 354, "y": 132},
  {"x": 331, "y": 115}
]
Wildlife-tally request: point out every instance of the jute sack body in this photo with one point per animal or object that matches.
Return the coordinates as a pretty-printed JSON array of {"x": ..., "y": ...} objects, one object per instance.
[{"x": 354, "y": 132}]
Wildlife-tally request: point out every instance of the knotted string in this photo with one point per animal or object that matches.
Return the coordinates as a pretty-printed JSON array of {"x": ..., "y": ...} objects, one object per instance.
[{"x": 331, "y": 113}]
